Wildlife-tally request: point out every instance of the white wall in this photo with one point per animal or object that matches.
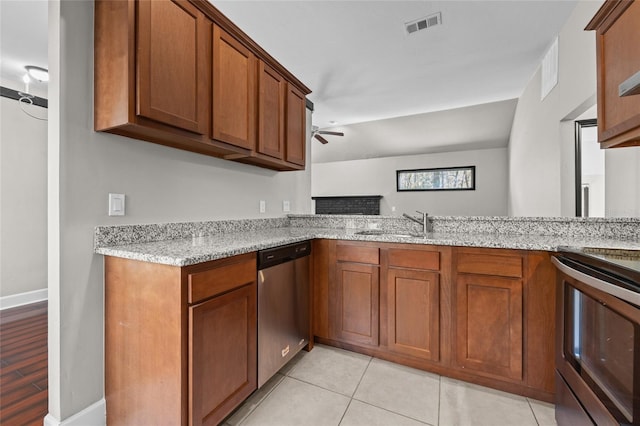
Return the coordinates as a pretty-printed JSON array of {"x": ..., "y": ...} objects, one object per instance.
[
  {"x": 536, "y": 164},
  {"x": 161, "y": 184},
  {"x": 23, "y": 203},
  {"x": 377, "y": 176},
  {"x": 622, "y": 182}
]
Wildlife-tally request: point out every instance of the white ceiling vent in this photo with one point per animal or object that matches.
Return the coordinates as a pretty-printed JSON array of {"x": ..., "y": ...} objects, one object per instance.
[{"x": 423, "y": 23}]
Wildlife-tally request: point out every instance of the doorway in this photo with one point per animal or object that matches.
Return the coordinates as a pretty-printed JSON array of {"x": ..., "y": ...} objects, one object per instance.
[{"x": 590, "y": 167}]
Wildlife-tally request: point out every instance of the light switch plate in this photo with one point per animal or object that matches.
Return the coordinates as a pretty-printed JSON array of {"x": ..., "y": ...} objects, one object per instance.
[
  {"x": 263, "y": 206},
  {"x": 286, "y": 206},
  {"x": 116, "y": 204}
]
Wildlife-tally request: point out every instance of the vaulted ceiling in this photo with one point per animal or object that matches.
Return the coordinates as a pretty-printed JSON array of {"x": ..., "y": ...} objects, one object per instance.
[{"x": 363, "y": 67}]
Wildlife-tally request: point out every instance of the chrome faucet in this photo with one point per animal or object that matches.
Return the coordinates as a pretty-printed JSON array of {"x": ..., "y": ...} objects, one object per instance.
[{"x": 424, "y": 221}]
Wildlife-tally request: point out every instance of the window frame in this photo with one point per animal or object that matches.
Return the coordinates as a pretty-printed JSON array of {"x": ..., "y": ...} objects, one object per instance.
[{"x": 437, "y": 169}]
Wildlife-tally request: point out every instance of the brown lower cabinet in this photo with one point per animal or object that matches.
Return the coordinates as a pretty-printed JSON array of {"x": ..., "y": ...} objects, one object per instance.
[
  {"x": 180, "y": 342},
  {"x": 413, "y": 313},
  {"x": 355, "y": 303},
  {"x": 485, "y": 316}
]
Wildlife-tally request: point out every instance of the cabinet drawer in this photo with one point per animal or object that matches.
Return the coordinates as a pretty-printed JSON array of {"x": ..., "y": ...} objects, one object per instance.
[
  {"x": 205, "y": 284},
  {"x": 417, "y": 259},
  {"x": 490, "y": 264},
  {"x": 357, "y": 254}
]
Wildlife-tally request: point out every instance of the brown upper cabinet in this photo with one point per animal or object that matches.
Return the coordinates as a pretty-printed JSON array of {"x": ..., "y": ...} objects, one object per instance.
[
  {"x": 296, "y": 126},
  {"x": 171, "y": 58},
  {"x": 179, "y": 73},
  {"x": 618, "y": 62},
  {"x": 271, "y": 112},
  {"x": 234, "y": 91}
]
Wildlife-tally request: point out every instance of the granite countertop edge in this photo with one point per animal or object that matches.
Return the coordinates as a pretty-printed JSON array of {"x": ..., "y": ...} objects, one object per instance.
[{"x": 191, "y": 251}]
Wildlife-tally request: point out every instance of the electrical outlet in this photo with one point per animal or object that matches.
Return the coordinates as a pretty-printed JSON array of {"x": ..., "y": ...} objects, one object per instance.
[
  {"x": 263, "y": 206},
  {"x": 286, "y": 206}
]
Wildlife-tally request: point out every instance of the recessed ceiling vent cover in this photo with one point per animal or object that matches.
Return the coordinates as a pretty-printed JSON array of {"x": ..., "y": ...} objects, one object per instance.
[{"x": 423, "y": 23}]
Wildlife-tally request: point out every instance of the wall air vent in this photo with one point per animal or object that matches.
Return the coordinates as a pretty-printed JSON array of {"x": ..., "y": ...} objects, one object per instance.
[{"x": 423, "y": 23}]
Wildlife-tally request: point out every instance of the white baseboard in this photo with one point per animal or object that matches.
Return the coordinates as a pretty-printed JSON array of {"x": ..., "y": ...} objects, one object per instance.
[
  {"x": 93, "y": 415},
  {"x": 20, "y": 299}
]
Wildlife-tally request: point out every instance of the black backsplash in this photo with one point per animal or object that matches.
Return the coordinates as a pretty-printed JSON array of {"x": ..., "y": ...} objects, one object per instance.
[{"x": 360, "y": 204}]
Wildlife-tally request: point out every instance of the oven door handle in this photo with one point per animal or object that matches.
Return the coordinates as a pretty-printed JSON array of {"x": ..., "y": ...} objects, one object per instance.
[{"x": 614, "y": 290}]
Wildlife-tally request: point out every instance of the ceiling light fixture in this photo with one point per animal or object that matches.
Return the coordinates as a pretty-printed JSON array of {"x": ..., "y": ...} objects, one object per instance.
[{"x": 37, "y": 73}]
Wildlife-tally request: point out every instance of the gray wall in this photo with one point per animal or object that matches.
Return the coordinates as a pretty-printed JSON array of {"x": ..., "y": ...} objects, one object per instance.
[
  {"x": 377, "y": 176},
  {"x": 535, "y": 151},
  {"x": 541, "y": 148},
  {"x": 161, "y": 184},
  {"x": 23, "y": 205},
  {"x": 622, "y": 182}
]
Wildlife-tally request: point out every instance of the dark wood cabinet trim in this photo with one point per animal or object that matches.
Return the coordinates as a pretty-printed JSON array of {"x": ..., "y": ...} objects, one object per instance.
[{"x": 608, "y": 14}]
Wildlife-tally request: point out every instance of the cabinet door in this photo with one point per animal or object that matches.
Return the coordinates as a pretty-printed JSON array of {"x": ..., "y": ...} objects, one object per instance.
[
  {"x": 413, "y": 309},
  {"x": 296, "y": 126},
  {"x": 489, "y": 325},
  {"x": 234, "y": 91},
  {"x": 355, "y": 303},
  {"x": 173, "y": 74},
  {"x": 271, "y": 112},
  {"x": 222, "y": 354},
  {"x": 618, "y": 60}
]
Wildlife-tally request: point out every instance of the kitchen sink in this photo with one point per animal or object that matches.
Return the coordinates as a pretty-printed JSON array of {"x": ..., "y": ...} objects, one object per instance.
[{"x": 399, "y": 234}]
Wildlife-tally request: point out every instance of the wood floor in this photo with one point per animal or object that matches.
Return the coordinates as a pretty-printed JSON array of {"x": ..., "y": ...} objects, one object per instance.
[{"x": 23, "y": 365}]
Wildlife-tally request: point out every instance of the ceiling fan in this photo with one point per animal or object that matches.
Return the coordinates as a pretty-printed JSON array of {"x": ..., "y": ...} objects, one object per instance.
[{"x": 315, "y": 133}]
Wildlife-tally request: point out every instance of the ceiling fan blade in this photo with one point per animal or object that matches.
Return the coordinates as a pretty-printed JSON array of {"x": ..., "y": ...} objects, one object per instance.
[
  {"x": 320, "y": 138},
  {"x": 325, "y": 132}
]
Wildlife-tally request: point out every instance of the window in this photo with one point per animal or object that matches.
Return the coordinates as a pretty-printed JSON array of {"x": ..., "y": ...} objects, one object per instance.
[{"x": 440, "y": 179}]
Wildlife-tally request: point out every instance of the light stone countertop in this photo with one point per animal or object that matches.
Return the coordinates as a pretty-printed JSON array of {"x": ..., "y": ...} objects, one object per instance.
[{"x": 190, "y": 251}]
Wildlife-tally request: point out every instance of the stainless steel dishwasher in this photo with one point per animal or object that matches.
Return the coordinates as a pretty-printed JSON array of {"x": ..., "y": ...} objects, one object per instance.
[{"x": 283, "y": 306}]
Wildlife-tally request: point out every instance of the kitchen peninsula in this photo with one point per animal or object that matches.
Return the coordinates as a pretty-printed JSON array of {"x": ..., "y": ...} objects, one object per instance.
[{"x": 473, "y": 300}]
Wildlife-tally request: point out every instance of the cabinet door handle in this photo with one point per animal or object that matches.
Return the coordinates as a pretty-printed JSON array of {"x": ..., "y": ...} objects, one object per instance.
[{"x": 630, "y": 86}]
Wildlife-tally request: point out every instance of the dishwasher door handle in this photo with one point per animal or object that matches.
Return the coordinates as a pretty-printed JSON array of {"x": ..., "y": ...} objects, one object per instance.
[{"x": 261, "y": 276}]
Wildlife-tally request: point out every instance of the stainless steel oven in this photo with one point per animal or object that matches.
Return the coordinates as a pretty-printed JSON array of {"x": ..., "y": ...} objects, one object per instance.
[{"x": 598, "y": 343}]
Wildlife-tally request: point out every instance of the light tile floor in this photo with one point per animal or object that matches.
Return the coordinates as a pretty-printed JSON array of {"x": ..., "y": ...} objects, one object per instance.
[{"x": 331, "y": 387}]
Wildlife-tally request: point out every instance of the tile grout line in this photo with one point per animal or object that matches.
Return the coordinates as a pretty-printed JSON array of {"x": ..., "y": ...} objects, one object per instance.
[
  {"x": 258, "y": 404},
  {"x": 355, "y": 390},
  {"x": 393, "y": 412},
  {"x": 382, "y": 408},
  {"x": 532, "y": 411},
  {"x": 361, "y": 377},
  {"x": 345, "y": 412}
]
